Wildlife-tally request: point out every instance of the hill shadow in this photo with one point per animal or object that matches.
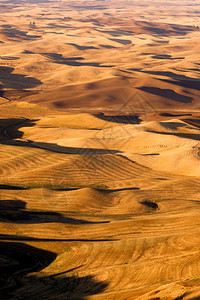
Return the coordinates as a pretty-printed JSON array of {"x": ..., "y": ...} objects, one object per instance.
[
  {"x": 16, "y": 33},
  {"x": 167, "y": 93},
  {"x": 18, "y": 261},
  {"x": 28, "y": 52},
  {"x": 169, "y": 74},
  {"x": 122, "y": 119},
  {"x": 175, "y": 30},
  {"x": 60, "y": 149},
  {"x": 116, "y": 33},
  {"x": 121, "y": 41},
  {"x": 9, "y": 58},
  {"x": 186, "y": 82},
  {"x": 191, "y": 136},
  {"x": 173, "y": 115},
  {"x": 10, "y": 127},
  {"x": 79, "y": 47},
  {"x": 6, "y": 237},
  {"x": 89, "y": 7},
  {"x": 12, "y": 134},
  {"x": 150, "y": 204},
  {"x": 119, "y": 190},
  {"x": 13, "y": 211},
  {"x": 193, "y": 122},
  {"x": 72, "y": 61},
  {"x": 107, "y": 46},
  {"x": 11, "y": 187},
  {"x": 16, "y": 81},
  {"x": 174, "y": 125},
  {"x": 13, "y": 94},
  {"x": 161, "y": 42},
  {"x": 53, "y": 25},
  {"x": 166, "y": 56}
]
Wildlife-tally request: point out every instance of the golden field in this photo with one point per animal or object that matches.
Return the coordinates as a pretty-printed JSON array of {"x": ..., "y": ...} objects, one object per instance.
[{"x": 99, "y": 150}]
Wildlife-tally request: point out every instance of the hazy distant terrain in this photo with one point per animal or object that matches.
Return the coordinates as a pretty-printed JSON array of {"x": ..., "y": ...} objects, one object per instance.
[{"x": 99, "y": 150}]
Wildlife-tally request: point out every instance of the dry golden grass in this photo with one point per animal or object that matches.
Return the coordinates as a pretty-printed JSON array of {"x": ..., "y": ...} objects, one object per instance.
[{"x": 99, "y": 150}]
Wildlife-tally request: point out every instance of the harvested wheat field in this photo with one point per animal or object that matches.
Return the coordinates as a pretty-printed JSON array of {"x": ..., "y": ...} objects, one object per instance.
[{"x": 99, "y": 150}]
